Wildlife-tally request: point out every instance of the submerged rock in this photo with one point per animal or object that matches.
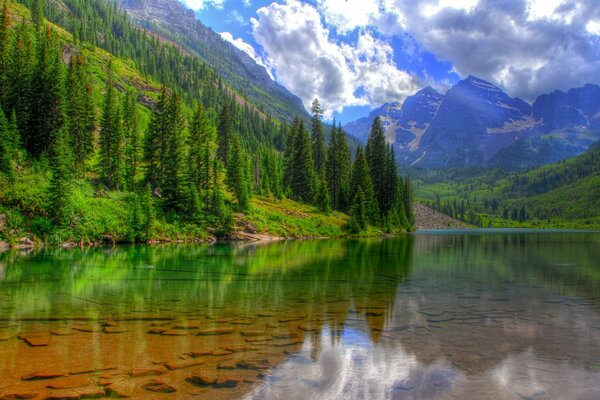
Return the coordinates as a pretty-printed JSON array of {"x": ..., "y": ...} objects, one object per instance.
[
  {"x": 38, "y": 376},
  {"x": 159, "y": 387},
  {"x": 143, "y": 372},
  {"x": 216, "y": 331},
  {"x": 36, "y": 340}
]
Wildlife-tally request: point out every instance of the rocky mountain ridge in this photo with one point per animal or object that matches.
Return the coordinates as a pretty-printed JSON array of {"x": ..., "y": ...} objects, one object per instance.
[{"x": 476, "y": 124}]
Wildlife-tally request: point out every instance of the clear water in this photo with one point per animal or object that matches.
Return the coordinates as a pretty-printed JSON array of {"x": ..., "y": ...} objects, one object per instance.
[{"x": 444, "y": 315}]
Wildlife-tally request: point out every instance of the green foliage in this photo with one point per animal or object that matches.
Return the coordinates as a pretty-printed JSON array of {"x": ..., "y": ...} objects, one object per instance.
[
  {"x": 237, "y": 178},
  {"x": 154, "y": 173},
  {"x": 338, "y": 169},
  {"x": 319, "y": 151},
  {"x": 564, "y": 194},
  {"x": 361, "y": 189}
]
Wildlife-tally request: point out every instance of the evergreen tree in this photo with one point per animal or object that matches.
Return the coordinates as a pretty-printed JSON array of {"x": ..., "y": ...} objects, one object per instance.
[
  {"x": 408, "y": 201},
  {"x": 20, "y": 71},
  {"x": 6, "y": 150},
  {"x": 46, "y": 97},
  {"x": 360, "y": 181},
  {"x": 317, "y": 138},
  {"x": 148, "y": 205},
  {"x": 61, "y": 207},
  {"x": 133, "y": 145},
  {"x": 322, "y": 199},
  {"x": 225, "y": 130},
  {"x": 376, "y": 153},
  {"x": 303, "y": 174},
  {"x": 288, "y": 155},
  {"x": 236, "y": 174},
  {"x": 155, "y": 147},
  {"x": 338, "y": 169},
  {"x": 111, "y": 138},
  {"x": 80, "y": 109},
  {"x": 173, "y": 187},
  {"x": 358, "y": 213},
  {"x": 202, "y": 145},
  {"x": 5, "y": 42},
  {"x": 37, "y": 14}
]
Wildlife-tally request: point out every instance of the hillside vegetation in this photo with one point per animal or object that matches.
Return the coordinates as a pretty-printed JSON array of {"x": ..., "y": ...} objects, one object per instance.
[
  {"x": 561, "y": 195},
  {"x": 111, "y": 133}
]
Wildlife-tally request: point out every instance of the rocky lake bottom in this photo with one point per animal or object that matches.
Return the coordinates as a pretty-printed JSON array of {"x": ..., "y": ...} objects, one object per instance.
[{"x": 450, "y": 315}]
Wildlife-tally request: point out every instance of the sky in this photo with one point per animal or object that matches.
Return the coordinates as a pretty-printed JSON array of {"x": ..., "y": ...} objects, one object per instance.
[{"x": 354, "y": 55}]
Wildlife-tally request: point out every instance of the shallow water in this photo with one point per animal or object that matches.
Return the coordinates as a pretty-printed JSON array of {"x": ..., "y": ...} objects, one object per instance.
[{"x": 446, "y": 315}]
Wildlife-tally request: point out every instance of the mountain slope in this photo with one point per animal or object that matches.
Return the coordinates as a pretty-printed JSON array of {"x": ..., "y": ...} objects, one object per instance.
[
  {"x": 404, "y": 123},
  {"x": 171, "y": 20},
  {"x": 563, "y": 194},
  {"x": 477, "y": 124}
]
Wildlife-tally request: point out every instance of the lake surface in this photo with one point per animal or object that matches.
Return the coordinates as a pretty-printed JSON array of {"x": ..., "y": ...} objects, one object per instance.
[{"x": 445, "y": 315}]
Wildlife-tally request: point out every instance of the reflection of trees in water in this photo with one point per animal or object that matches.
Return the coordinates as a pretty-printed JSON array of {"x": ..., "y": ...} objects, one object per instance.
[{"x": 310, "y": 277}]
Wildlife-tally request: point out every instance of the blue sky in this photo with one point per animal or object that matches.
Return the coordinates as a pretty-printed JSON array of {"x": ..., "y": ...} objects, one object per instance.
[{"x": 355, "y": 55}]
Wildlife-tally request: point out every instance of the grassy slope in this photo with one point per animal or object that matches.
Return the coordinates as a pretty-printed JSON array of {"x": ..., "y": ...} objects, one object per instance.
[{"x": 287, "y": 218}]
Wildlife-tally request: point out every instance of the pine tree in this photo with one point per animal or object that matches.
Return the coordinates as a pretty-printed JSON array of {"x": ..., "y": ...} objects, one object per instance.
[
  {"x": 361, "y": 182},
  {"x": 376, "y": 153},
  {"x": 133, "y": 145},
  {"x": 5, "y": 39},
  {"x": 111, "y": 138},
  {"x": 37, "y": 14},
  {"x": 322, "y": 199},
  {"x": 236, "y": 174},
  {"x": 303, "y": 174},
  {"x": 225, "y": 131},
  {"x": 155, "y": 146},
  {"x": 288, "y": 154},
  {"x": 148, "y": 205},
  {"x": 61, "y": 207},
  {"x": 172, "y": 184},
  {"x": 390, "y": 194},
  {"x": 317, "y": 138},
  {"x": 80, "y": 109},
  {"x": 358, "y": 213},
  {"x": 6, "y": 150},
  {"x": 20, "y": 69},
  {"x": 338, "y": 169},
  {"x": 46, "y": 97},
  {"x": 202, "y": 145},
  {"x": 408, "y": 201}
]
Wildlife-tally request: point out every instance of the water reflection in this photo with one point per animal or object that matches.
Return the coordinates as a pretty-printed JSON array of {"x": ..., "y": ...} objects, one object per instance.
[{"x": 453, "y": 315}]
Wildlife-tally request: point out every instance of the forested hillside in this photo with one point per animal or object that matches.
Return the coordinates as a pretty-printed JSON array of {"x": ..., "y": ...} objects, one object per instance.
[
  {"x": 109, "y": 132},
  {"x": 564, "y": 194}
]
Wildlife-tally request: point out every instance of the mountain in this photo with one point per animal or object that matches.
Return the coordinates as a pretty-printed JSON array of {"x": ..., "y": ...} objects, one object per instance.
[
  {"x": 477, "y": 124},
  {"x": 173, "y": 21},
  {"x": 404, "y": 123}
]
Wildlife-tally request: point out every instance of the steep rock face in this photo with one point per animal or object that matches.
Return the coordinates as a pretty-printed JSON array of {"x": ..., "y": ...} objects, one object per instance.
[
  {"x": 172, "y": 21},
  {"x": 460, "y": 132},
  {"x": 404, "y": 122},
  {"x": 477, "y": 124}
]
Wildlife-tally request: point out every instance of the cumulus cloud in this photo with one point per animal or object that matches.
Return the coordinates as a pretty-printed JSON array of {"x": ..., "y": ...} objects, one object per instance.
[
  {"x": 246, "y": 48},
  {"x": 527, "y": 47},
  {"x": 307, "y": 59},
  {"x": 201, "y": 4}
]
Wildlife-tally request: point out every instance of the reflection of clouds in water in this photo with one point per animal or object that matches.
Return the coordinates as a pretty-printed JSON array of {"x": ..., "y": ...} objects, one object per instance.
[
  {"x": 531, "y": 377},
  {"x": 354, "y": 367}
]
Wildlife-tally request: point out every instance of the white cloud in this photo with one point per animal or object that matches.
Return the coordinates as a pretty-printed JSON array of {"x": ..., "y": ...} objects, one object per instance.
[
  {"x": 201, "y": 4},
  {"x": 311, "y": 64},
  {"x": 527, "y": 47},
  {"x": 246, "y": 48},
  {"x": 346, "y": 15}
]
